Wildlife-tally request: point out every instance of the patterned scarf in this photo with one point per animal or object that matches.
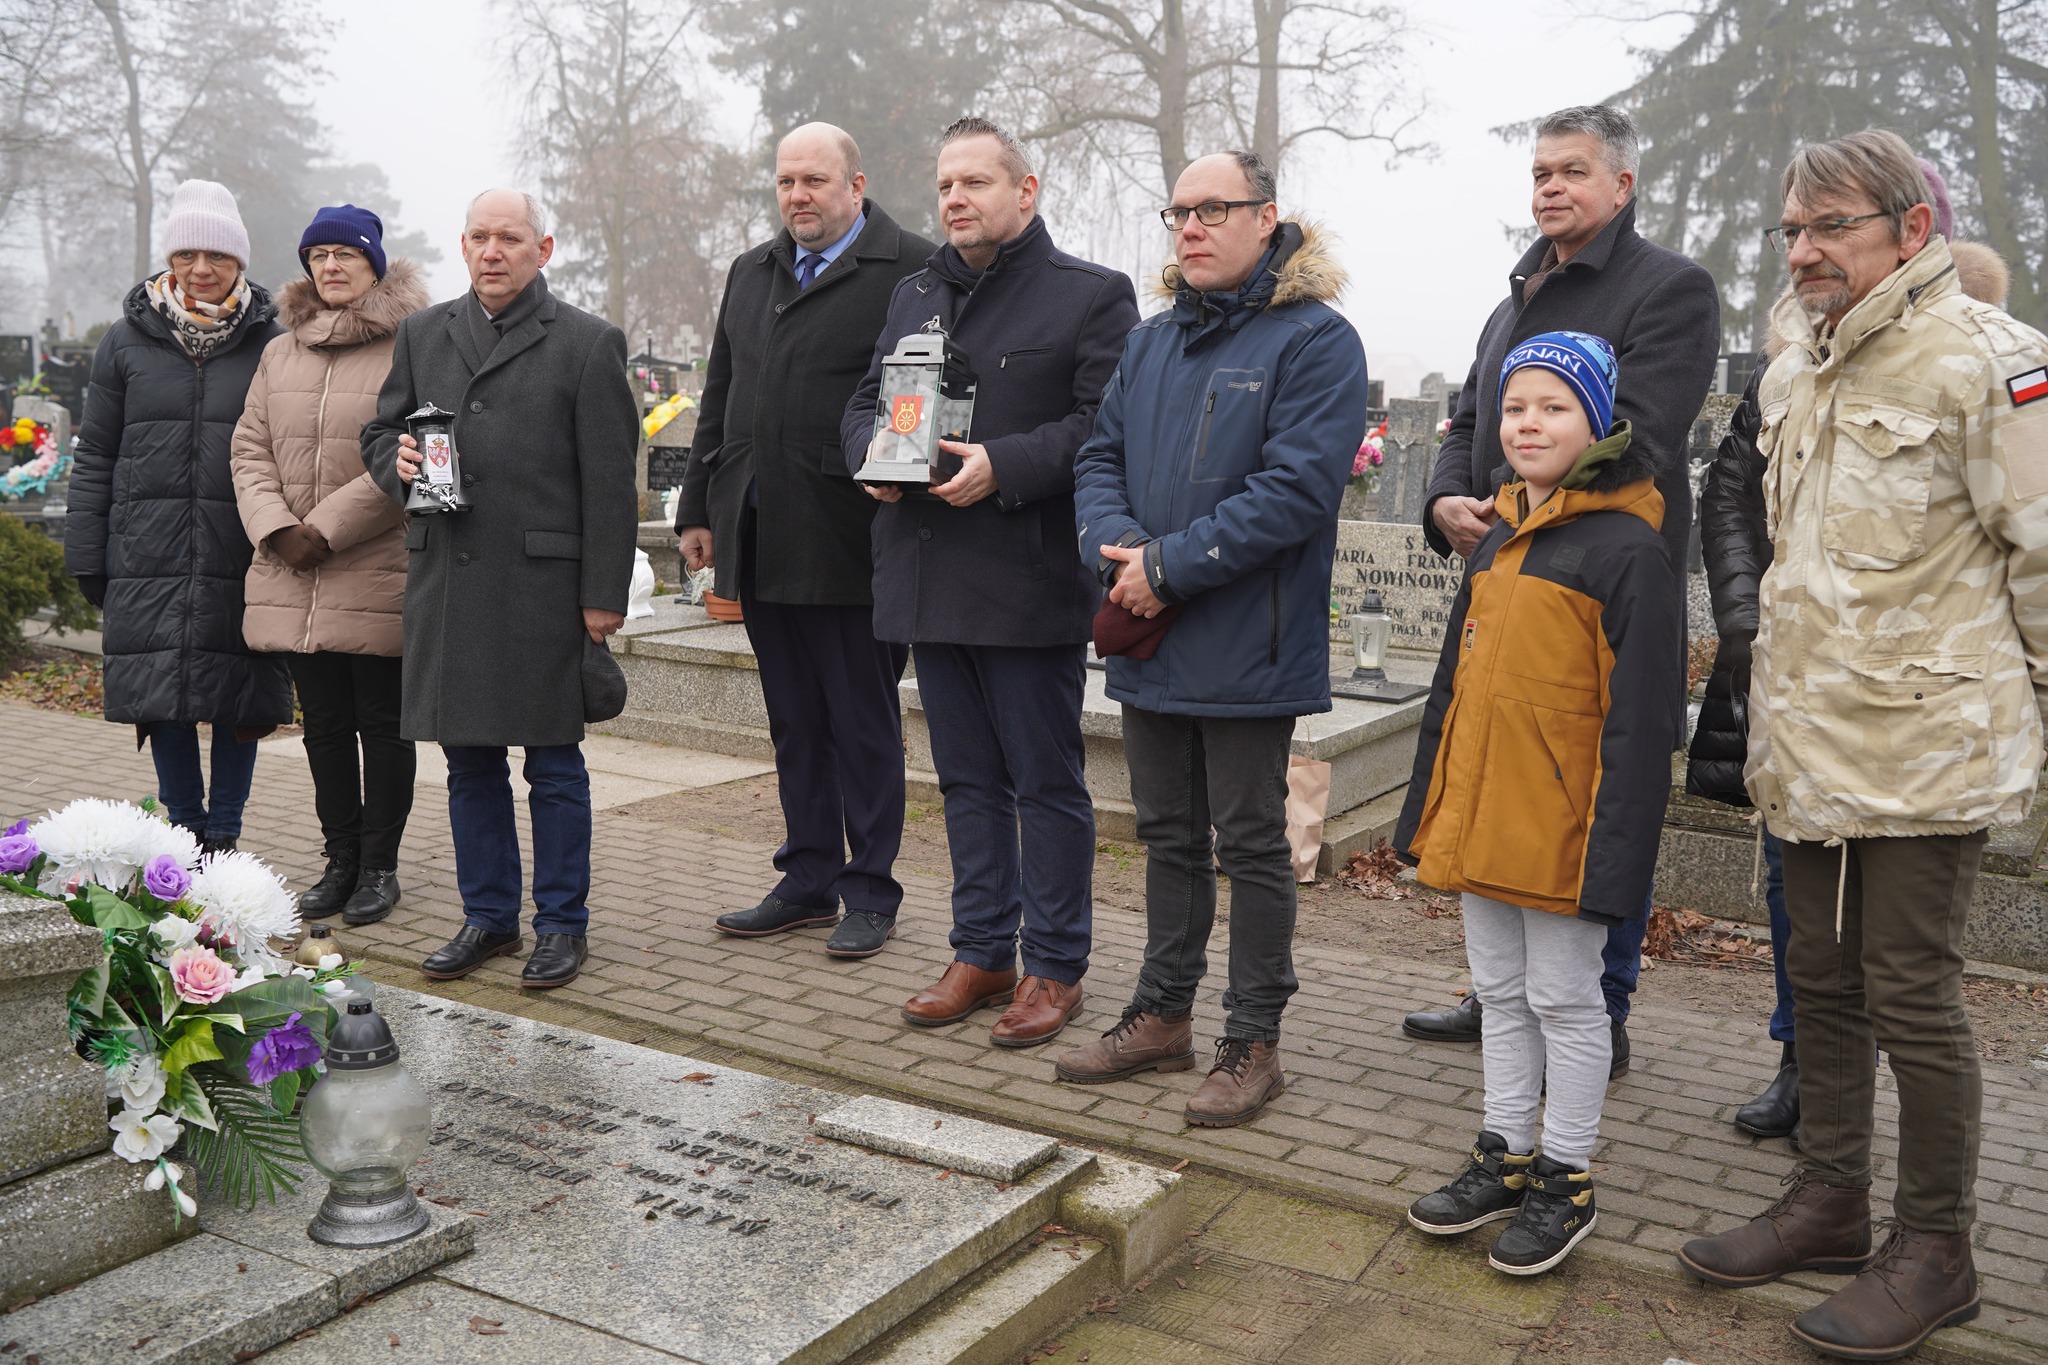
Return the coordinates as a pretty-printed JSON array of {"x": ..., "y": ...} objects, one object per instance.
[{"x": 201, "y": 328}]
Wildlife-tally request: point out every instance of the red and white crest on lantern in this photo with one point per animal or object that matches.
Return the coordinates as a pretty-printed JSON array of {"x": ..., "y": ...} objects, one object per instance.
[{"x": 906, "y": 413}]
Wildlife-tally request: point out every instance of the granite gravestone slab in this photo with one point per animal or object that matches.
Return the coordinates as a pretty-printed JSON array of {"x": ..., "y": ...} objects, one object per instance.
[
  {"x": 696, "y": 1209},
  {"x": 1416, "y": 585}
]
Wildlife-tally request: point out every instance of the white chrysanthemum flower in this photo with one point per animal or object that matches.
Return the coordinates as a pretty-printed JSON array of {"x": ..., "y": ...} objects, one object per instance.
[
  {"x": 139, "y": 1085},
  {"x": 142, "y": 1137},
  {"x": 107, "y": 842},
  {"x": 243, "y": 903}
]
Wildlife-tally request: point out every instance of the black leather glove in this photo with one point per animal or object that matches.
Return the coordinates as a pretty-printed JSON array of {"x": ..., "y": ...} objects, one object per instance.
[{"x": 94, "y": 587}]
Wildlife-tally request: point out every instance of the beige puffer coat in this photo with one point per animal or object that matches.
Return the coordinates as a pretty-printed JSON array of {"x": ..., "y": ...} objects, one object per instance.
[{"x": 297, "y": 458}]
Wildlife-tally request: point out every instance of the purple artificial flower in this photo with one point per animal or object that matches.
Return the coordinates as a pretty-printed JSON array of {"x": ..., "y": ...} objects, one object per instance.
[
  {"x": 18, "y": 827},
  {"x": 17, "y": 852},
  {"x": 164, "y": 878},
  {"x": 288, "y": 1047}
]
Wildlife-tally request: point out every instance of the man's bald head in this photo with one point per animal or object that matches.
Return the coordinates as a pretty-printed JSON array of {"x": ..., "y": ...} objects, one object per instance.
[
  {"x": 501, "y": 201},
  {"x": 818, "y": 184},
  {"x": 823, "y": 138}
]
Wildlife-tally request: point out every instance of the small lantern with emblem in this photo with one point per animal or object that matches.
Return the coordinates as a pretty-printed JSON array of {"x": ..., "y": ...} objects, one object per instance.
[
  {"x": 927, "y": 396},
  {"x": 1368, "y": 681},
  {"x": 438, "y": 486}
]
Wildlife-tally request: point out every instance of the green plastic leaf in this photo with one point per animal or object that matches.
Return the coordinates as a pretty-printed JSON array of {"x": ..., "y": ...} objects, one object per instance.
[
  {"x": 267, "y": 1004},
  {"x": 253, "y": 1149},
  {"x": 109, "y": 911},
  {"x": 167, "y": 1001},
  {"x": 89, "y": 993},
  {"x": 184, "y": 1097},
  {"x": 194, "y": 1045},
  {"x": 284, "y": 1091},
  {"x": 233, "y": 1021}
]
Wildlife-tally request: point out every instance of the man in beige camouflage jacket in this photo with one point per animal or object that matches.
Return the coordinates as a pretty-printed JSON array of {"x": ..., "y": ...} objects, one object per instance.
[{"x": 1900, "y": 669}]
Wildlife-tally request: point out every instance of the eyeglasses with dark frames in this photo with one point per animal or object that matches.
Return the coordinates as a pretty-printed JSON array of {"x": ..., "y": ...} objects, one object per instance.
[
  {"x": 1820, "y": 229},
  {"x": 1210, "y": 214}
]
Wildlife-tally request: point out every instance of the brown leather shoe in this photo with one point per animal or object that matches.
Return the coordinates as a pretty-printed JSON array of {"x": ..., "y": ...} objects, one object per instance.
[
  {"x": 1919, "y": 1282},
  {"x": 1813, "y": 1226},
  {"x": 1139, "y": 1042},
  {"x": 1037, "y": 1013},
  {"x": 960, "y": 992},
  {"x": 1245, "y": 1077}
]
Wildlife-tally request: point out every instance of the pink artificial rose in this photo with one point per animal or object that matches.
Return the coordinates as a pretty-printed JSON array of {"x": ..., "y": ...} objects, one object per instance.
[{"x": 199, "y": 976}]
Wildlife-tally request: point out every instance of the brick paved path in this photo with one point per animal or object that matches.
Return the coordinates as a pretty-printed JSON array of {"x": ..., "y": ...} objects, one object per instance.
[{"x": 1370, "y": 1119}]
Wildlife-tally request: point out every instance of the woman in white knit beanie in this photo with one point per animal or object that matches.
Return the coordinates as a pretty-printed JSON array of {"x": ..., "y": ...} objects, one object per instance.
[{"x": 153, "y": 535}]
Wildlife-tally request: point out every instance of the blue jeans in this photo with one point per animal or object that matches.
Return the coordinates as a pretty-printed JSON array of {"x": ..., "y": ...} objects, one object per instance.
[
  {"x": 1621, "y": 962},
  {"x": 1781, "y": 934},
  {"x": 487, "y": 862},
  {"x": 1005, "y": 724},
  {"x": 181, "y": 786}
]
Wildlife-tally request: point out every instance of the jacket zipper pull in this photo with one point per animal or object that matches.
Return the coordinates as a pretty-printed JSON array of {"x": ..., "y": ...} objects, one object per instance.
[{"x": 1209, "y": 406}]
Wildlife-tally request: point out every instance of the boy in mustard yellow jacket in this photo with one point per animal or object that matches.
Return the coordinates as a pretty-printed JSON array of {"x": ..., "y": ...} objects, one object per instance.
[{"x": 1540, "y": 782}]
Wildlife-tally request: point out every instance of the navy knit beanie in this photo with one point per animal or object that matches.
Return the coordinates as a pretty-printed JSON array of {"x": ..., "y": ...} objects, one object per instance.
[
  {"x": 1582, "y": 360},
  {"x": 346, "y": 225}
]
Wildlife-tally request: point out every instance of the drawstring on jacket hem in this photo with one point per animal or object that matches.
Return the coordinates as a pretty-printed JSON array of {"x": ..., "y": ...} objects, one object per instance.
[
  {"x": 1756, "y": 867},
  {"x": 1841, "y": 880}
]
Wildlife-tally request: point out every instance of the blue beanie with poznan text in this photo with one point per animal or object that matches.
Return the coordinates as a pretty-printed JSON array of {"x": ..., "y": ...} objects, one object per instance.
[
  {"x": 1582, "y": 360},
  {"x": 345, "y": 225}
]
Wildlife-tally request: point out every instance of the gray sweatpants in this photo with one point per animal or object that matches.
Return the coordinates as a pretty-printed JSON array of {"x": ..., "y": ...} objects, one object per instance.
[{"x": 1538, "y": 976}]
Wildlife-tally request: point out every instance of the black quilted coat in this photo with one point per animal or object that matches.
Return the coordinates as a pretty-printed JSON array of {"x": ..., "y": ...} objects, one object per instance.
[
  {"x": 153, "y": 512},
  {"x": 1737, "y": 551}
]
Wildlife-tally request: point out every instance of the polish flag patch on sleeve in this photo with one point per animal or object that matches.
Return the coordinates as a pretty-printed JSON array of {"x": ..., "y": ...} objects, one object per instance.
[{"x": 2028, "y": 387}]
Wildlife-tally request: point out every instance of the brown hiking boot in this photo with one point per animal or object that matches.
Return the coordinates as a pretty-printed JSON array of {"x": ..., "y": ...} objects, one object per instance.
[
  {"x": 1245, "y": 1076},
  {"x": 1919, "y": 1282},
  {"x": 1813, "y": 1226},
  {"x": 1139, "y": 1042}
]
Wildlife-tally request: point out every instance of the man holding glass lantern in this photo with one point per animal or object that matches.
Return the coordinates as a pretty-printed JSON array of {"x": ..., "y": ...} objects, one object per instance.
[{"x": 978, "y": 567}]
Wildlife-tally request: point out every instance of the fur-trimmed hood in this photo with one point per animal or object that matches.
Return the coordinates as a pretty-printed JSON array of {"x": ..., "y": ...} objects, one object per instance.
[
  {"x": 1310, "y": 274},
  {"x": 373, "y": 317},
  {"x": 1980, "y": 271}
]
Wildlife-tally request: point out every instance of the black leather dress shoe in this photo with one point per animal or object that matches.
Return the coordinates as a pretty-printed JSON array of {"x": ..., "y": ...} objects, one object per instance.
[
  {"x": 861, "y": 934},
  {"x": 1775, "y": 1113},
  {"x": 1618, "y": 1032},
  {"x": 336, "y": 884},
  {"x": 470, "y": 949},
  {"x": 773, "y": 916},
  {"x": 376, "y": 892},
  {"x": 1460, "y": 1025},
  {"x": 557, "y": 960}
]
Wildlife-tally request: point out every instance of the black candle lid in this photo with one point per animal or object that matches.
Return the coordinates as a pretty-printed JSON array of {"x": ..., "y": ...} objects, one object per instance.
[{"x": 360, "y": 1039}]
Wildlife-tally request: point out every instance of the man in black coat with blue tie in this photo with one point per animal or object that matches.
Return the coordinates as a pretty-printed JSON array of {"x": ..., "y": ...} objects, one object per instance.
[
  {"x": 767, "y": 500},
  {"x": 983, "y": 574}
]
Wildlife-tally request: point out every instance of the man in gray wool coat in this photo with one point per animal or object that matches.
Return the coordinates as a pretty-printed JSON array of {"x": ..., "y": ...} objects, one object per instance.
[{"x": 503, "y": 602}]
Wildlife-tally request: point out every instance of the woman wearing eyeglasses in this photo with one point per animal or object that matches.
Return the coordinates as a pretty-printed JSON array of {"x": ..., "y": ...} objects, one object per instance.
[
  {"x": 328, "y": 580},
  {"x": 152, "y": 536}
]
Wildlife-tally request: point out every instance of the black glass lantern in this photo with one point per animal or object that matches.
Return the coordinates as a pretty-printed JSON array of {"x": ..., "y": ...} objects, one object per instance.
[
  {"x": 927, "y": 396},
  {"x": 438, "y": 486},
  {"x": 363, "y": 1126}
]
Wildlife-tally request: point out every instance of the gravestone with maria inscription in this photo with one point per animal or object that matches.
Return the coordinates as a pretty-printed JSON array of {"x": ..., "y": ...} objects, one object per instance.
[
  {"x": 723, "y": 1216},
  {"x": 1416, "y": 585}
]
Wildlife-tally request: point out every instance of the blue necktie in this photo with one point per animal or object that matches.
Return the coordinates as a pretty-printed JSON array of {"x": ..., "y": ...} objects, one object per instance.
[{"x": 807, "y": 270}]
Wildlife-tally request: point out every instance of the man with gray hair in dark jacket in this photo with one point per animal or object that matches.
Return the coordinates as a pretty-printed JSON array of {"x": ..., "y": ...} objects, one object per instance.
[
  {"x": 1590, "y": 271},
  {"x": 1217, "y": 560}
]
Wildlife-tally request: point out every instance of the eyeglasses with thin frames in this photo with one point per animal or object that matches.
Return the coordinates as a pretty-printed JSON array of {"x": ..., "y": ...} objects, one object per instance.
[
  {"x": 343, "y": 255},
  {"x": 1783, "y": 238},
  {"x": 1210, "y": 214}
]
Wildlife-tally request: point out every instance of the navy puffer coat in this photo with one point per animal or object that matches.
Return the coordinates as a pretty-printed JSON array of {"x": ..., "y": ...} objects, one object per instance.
[{"x": 153, "y": 512}]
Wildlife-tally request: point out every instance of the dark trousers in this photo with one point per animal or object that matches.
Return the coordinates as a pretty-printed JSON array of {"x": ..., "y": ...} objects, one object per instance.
[
  {"x": 181, "y": 783},
  {"x": 837, "y": 725},
  {"x": 1189, "y": 775},
  {"x": 1892, "y": 980},
  {"x": 351, "y": 701},
  {"x": 1006, "y": 739},
  {"x": 487, "y": 861},
  {"x": 1621, "y": 962},
  {"x": 1781, "y": 936}
]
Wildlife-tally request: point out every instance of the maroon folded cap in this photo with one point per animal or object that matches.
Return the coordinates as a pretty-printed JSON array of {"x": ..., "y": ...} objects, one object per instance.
[{"x": 1128, "y": 635}]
